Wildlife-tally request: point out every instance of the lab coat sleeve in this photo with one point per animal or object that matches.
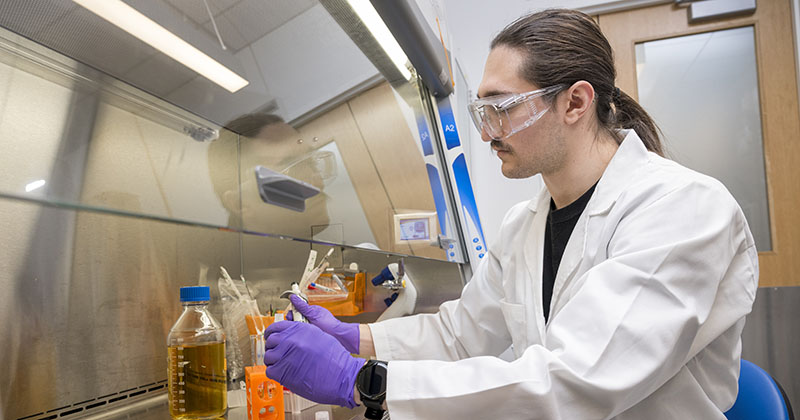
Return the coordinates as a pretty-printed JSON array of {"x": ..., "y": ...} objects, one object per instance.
[
  {"x": 472, "y": 325},
  {"x": 680, "y": 271}
]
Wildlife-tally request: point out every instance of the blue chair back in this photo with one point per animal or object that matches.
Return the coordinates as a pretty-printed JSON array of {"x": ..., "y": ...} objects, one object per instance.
[{"x": 760, "y": 396}]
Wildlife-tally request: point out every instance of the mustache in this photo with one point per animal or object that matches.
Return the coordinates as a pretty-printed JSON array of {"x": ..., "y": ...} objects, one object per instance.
[{"x": 498, "y": 146}]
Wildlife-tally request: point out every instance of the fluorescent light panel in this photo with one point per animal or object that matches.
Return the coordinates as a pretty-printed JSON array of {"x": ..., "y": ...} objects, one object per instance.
[
  {"x": 377, "y": 27},
  {"x": 131, "y": 21}
]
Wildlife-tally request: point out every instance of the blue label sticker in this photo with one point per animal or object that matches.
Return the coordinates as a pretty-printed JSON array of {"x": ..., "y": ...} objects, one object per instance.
[
  {"x": 424, "y": 136},
  {"x": 448, "y": 123},
  {"x": 467, "y": 196}
]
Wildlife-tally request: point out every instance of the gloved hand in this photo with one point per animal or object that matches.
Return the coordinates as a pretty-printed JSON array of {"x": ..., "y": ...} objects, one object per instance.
[
  {"x": 311, "y": 363},
  {"x": 347, "y": 333}
]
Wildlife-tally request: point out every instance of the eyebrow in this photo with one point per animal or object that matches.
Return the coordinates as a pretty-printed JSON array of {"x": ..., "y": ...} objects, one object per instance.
[{"x": 493, "y": 93}]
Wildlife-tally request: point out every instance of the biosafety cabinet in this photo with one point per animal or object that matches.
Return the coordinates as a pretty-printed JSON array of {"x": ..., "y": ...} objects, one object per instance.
[{"x": 144, "y": 144}]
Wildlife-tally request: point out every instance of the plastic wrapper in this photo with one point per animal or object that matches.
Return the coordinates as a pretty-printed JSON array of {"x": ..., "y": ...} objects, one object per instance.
[{"x": 236, "y": 304}]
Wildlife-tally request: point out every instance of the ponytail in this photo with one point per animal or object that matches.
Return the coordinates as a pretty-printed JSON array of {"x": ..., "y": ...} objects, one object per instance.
[{"x": 628, "y": 114}]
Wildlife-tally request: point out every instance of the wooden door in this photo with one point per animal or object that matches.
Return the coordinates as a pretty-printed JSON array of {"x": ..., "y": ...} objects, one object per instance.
[{"x": 780, "y": 121}]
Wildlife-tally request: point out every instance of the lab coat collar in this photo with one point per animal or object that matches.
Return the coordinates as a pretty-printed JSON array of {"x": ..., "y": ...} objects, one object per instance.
[
  {"x": 540, "y": 201},
  {"x": 631, "y": 154}
]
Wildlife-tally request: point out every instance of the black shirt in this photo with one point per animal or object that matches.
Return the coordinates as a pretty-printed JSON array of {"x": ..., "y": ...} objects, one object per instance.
[{"x": 560, "y": 223}]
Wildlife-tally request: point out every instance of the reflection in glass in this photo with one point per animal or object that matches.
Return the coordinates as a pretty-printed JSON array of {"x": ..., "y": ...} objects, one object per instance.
[
  {"x": 35, "y": 185},
  {"x": 135, "y": 23},
  {"x": 317, "y": 110},
  {"x": 702, "y": 90},
  {"x": 30, "y": 126},
  {"x": 76, "y": 139},
  {"x": 348, "y": 224},
  {"x": 159, "y": 166},
  {"x": 266, "y": 140}
]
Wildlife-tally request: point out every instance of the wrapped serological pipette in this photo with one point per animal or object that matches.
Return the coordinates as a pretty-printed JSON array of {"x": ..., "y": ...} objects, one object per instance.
[{"x": 237, "y": 303}]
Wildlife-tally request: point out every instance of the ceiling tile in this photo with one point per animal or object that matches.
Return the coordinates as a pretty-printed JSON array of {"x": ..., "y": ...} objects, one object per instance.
[
  {"x": 90, "y": 39},
  {"x": 229, "y": 33},
  {"x": 196, "y": 9},
  {"x": 29, "y": 17},
  {"x": 256, "y": 18},
  {"x": 159, "y": 75},
  {"x": 216, "y": 104},
  {"x": 227, "y": 4},
  {"x": 309, "y": 61}
]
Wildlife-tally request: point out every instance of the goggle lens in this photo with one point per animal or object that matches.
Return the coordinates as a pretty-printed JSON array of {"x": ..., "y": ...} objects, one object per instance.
[
  {"x": 490, "y": 119},
  {"x": 496, "y": 121}
]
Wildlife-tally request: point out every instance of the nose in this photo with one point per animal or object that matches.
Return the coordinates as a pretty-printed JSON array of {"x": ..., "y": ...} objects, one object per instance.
[{"x": 485, "y": 136}]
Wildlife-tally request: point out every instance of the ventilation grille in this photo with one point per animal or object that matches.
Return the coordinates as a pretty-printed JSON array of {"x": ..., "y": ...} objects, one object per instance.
[{"x": 98, "y": 404}]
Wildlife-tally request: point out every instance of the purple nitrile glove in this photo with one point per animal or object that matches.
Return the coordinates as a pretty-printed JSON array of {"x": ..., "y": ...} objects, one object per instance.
[
  {"x": 346, "y": 333},
  {"x": 311, "y": 363}
]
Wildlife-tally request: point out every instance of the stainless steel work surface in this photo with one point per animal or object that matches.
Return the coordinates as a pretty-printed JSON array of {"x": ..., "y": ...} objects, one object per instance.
[{"x": 156, "y": 408}]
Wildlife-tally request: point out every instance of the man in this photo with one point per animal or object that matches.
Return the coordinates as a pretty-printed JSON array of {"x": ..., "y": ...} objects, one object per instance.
[
  {"x": 265, "y": 140},
  {"x": 622, "y": 286}
]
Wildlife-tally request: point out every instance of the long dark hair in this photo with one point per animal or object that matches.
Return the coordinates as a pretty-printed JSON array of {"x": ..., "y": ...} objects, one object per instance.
[{"x": 565, "y": 46}]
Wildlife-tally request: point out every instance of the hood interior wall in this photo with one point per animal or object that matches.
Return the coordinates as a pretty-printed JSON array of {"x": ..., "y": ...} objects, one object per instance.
[{"x": 92, "y": 297}]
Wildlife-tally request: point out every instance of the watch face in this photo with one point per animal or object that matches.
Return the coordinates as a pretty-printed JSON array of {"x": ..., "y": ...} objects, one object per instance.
[
  {"x": 372, "y": 380},
  {"x": 377, "y": 385}
]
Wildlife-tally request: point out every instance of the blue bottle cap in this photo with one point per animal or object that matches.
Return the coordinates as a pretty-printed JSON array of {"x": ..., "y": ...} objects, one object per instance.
[{"x": 195, "y": 294}]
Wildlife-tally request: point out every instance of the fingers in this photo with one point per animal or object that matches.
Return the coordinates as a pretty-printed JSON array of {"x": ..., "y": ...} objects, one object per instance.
[
  {"x": 290, "y": 316},
  {"x": 300, "y": 304},
  {"x": 271, "y": 357},
  {"x": 273, "y": 340},
  {"x": 277, "y": 327},
  {"x": 276, "y": 334}
]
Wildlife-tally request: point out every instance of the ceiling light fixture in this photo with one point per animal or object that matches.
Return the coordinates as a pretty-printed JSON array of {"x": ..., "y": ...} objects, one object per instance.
[
  {"x": 374, "y": 23},
  {"x": 133, "y": 22}
]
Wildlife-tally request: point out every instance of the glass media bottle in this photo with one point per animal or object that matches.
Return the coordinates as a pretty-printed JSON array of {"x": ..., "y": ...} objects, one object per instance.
[{"x": 196, "y": 360}]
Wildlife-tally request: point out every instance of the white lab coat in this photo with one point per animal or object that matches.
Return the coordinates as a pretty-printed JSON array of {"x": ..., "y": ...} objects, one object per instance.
[{"x": 647, "y": 311}]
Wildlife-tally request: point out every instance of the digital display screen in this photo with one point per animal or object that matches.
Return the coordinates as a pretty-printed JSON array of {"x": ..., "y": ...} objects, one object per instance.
[{"x": 414, "y": 229}]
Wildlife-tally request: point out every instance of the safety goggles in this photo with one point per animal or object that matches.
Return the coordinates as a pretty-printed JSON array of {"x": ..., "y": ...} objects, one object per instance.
[{"x": 500, "y": 115}]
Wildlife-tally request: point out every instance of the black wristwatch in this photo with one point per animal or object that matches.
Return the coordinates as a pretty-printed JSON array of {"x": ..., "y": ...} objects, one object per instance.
[{"x": 371, "y": 385}]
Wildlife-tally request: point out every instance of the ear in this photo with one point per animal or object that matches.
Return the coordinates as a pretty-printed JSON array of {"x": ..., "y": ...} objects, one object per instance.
[{"x": 579, "y": 99}]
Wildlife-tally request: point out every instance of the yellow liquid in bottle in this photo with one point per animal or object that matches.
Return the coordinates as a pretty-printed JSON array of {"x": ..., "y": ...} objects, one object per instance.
[{"x": 197, "y": 381}]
